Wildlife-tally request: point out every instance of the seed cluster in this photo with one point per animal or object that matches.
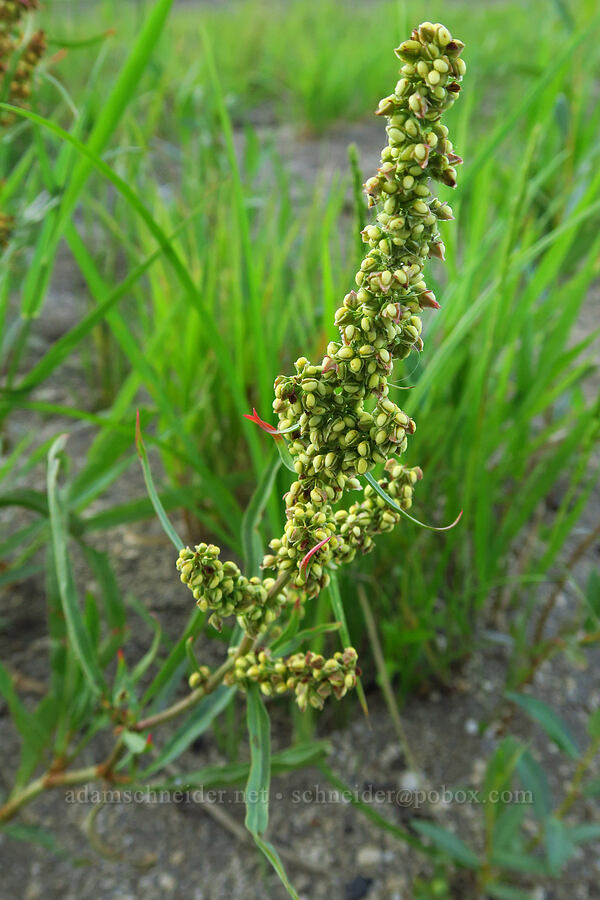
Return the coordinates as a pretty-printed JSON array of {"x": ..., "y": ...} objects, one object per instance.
[
  {"x": 345, "y": 421},
  {"x": 358, "y": 525},
  {"x": 222, "y": 588},
  {"x": 309, "y": 675},
  {"x": 18, "y": 63},
  {"x": 336, "y": 416}
]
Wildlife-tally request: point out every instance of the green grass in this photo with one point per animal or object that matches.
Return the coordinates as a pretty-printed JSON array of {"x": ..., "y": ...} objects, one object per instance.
[{"x": 208, "y": 270}]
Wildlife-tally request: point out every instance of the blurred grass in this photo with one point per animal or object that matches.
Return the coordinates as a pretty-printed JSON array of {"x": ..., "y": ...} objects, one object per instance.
[{"x": 231, "y": 269}]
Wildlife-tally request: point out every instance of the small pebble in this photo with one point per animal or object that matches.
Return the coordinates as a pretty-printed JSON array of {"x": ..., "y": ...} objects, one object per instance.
[
  {"x": 167, "y": 882},
  {"x": 369, "y": 856},
  {"x": 410, "y": 781}
]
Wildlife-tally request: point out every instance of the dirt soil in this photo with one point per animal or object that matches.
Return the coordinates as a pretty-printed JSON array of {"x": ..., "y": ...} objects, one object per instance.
[{"x": 183, "y": 849}]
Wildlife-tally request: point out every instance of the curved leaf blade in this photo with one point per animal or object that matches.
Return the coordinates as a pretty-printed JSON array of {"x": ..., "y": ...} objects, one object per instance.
[
  {"x": 78, "y": 636},
  {"x": 552, "y": 724},
  {"x": 257, "y": 786}
]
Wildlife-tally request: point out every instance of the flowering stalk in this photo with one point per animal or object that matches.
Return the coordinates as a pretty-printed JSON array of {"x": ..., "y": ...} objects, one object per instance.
[{"x": 336, "y": 416}]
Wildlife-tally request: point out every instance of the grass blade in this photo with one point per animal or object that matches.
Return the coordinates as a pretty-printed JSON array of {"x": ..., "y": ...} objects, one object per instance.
[
  {"x": 152, "y": 492},
  {"x": 450, "y": 843},
  {"x": 257, "y": 786},
  {"x": 545, "y": 716},
  {"x": 106, "y": 123},
  {"x": 272, "y": 855},
  {"x": 251, "y": 542},
  {"x": 78, "y": 636}
]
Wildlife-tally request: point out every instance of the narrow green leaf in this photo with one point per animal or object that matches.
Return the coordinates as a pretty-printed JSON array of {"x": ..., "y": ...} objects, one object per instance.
[
  {"x": 152, "y": 492},
  {"x": 110, "y": 114},
  {"x": 392, "y": 503},
  {"x": 592, "y": 788},
  {"x": 70, "y": 44},
  {"x": 194, "y": 665},
  {"x": 285, "y": 455},
  {"x": 533, "y": 778},
  {"x": 261, "y": 356},
  {"x": 592, "y": 593},
  {"x": 587, "y": 831},
  {"x": 594, "y": 724},
  {"x": 174, "y": 660},
  {"x": 149, "y": 656},
  {"x": 65, "y": 345},
  {"x": 448, "y": 843},
  {"x": 565, "y": 14},
  {"x": 552, "y": 724},
  {"x": 13, "y": 458},
  {"x": 78, "y": 636},
  {"x": 231, "y": 373},
  {"x": 26, "y": 498},
  {"x": 135, "y": 743},
  {"x": 508, "y": 122},
  {"x": 257, "y": 786},
  {"x": 33, "y": 834},
  {"x": 559, "y": 844},
  {"x": 251, "y": 542},
  {"x": 114, "y": 607},
  {"x": 306, "y": 753},
  {"x": 271, "y": 854},
  {"x": 196, "y": 724},
  {"x": 519, "y": 862},
  {"x": 507, "y": 824},
  {"x": 498, "y": 777},
  {"x": 19, "y": 573},
  {"x": 11, "y": 184},
  {"x": 23, "y": 720},
  {"x": 289, "y": 760}
]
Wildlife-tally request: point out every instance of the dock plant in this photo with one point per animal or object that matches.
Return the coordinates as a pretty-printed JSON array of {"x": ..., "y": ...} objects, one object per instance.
[{"x": 491, "y": 381}]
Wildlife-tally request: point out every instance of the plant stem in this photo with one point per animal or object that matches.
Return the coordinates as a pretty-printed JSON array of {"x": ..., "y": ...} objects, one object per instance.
[
  {"x": 550, "y": 603},
  {"x": 581, "y": 769},
  {"x": 573, "y": 792},
  {"x": 386, "y": 687},
  {"x": 216, "y": 678},
  {"x": 47, "y": 781},
  {"x": 171, "y": 712}
]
